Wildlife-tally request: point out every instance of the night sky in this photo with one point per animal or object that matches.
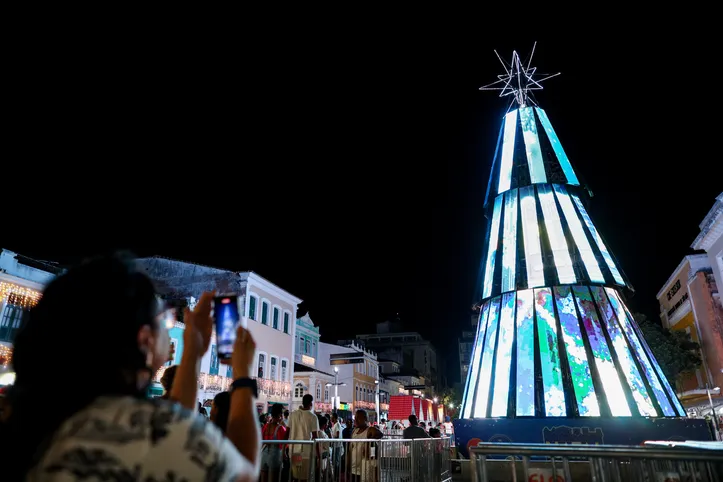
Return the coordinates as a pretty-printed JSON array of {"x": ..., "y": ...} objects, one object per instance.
[{"x": 354, "y": 181}]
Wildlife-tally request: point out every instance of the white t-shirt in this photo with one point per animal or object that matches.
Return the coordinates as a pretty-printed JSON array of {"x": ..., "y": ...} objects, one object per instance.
[
  {"x": 301, "y": 425},
  {"x": 125, "y": 438}
]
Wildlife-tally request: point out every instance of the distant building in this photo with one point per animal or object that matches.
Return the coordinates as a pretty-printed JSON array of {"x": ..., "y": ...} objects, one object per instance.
[
  {"x": 22, "y": 281},
  {"x": 408, "y": 349},
  {"x": 270, "y": 310},
  {"x": 308, "y": 378},
  {"x": 690, "y": 301},
  {"x": 710, "y": 239},
  {"x": 466, "y": 342},
  {"x": 361, "y": 379}
]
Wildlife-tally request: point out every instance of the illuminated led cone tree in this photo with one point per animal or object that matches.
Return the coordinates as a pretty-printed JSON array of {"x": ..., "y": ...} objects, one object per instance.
[{"x": 554, "y": 338}]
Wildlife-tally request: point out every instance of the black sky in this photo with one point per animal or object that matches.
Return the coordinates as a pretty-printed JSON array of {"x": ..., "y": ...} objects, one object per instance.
[{"x": 351, "y": 173}]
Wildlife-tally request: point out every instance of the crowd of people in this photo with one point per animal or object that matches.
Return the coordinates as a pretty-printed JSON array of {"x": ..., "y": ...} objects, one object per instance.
[{"x": 103, "y": 322}]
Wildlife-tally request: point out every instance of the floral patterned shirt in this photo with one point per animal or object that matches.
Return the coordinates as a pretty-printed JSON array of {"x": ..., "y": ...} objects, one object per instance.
[{"x": 129, "y": 439}]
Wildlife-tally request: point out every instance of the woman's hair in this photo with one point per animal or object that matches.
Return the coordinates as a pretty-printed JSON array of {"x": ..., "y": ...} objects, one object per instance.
[
  {"x": 222, "y": 401},
  {"x": 277, "y": 410},
  {"x": 169, "y": 374},
  {"x": 79, "y": 342}
]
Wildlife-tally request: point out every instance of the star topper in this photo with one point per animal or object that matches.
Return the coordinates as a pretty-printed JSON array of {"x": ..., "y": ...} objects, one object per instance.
[{"x": 518, "y": 79}]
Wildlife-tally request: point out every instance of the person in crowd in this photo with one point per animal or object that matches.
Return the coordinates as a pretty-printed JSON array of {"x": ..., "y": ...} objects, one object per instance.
[
  {"x": 435, "y": 432},
  {"x": 414, "y": 430},
  {"x": 271, "y": 454},
  {"x": 303, "y": 425},
  {"x": 169, "y": 374},
  {"x": 363, "y": 455},
  {"x": 219, "y": 410},
  {"x": 104, "y": 316},
  {"x": 286, "y": 417},
  {"x": 322, "y": 449},
  {"x": 337, "y": 448}
]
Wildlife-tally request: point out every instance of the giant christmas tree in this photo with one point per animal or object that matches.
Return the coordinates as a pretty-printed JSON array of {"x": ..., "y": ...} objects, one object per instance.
[{"x": 557, "y": 356}]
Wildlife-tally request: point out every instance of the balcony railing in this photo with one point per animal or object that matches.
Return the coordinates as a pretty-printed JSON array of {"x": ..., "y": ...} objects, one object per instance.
[
  {"x": 365, "y": 405},
  {"x": 218, "y": 383}
]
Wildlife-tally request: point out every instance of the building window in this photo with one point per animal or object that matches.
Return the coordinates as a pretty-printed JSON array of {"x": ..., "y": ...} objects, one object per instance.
[
  {"x": 262, "y": 362},
  {"x": 318, "y": 391},
  {"x": 12, "y": 316},
  {"x": 286, "y": 323},
  {"x": 172, "y": 353},
  {"x": 264, "y": 313},
  {"x": 272, "y": 371},
  {"x": 326, "y": 394},
  {"x": 252, "y": 307},
  {"x": 301, "y": 345},
  {"x": 275, "y": 322},
  {"x": 313, "y": 348},
  {"x": 307, "y": 346},
  {"x": 284, "y": 366},
  {"x": 213, "y": 369},
  {"x": 299, "y": 390}
]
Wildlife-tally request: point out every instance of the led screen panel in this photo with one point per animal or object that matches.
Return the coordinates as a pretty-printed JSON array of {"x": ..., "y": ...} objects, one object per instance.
[
  {"x": 625, "y": 357},
  {"x": 640, "y": 354},
  {"x": 508, "y": 149},
  {"x": 656, "y": 365},
  {"x": 598, "y": 240},
  {"x": 471, "y": 386},
  {"x": 587, "y": 403},
  {"x": 557, "y": 147},
  {"x": 578, "y": 234},
  {"x": 531, "y": 238},
  {"x": 554, "y": 393},
  {"x": 610, "y": 381},
  {"x": 492, "y": 247},
  {"x": 501, "y": 389},
  {"x": 563, "y": 262},
  {"x": 525, "y": 354},
  {"x": 483, "y": 385},
  {"x": 532, "y": 146},
  {"x": 509, "y": 241}
]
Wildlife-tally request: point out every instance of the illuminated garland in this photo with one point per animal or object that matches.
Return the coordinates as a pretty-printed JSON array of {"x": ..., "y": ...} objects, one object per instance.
[
  {"x": 6, "y": 355},
  {"x": 18, "y": 295}
]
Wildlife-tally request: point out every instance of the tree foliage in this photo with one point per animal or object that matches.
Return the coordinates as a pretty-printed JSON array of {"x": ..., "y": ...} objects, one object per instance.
[{"x": 676, "y": 353}]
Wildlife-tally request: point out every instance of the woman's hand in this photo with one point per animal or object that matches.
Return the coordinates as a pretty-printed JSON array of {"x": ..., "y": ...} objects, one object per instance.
[
  {"x": 244, "y": 349},
  {"x": 199, "y": 326}
]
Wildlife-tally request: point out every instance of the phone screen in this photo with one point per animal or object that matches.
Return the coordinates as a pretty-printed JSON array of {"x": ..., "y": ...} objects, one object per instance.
[{"x": 226, "y": 316}]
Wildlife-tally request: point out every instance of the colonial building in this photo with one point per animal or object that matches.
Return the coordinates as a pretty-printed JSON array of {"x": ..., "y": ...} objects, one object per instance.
[
  {"x": 690, "y": 301},
  {"x": 270, "y": 311},
  {"x": 361, "y": 380},
  {"x": 409, "y": 349},
  {"x": 22, "y": 280},
  {"x": 308, "y": 378}
]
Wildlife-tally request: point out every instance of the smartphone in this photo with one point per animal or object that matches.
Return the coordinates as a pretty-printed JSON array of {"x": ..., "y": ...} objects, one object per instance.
[{"x": 227, "y": 315}]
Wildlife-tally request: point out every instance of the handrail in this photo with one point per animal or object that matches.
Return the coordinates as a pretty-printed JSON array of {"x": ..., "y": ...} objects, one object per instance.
[{"x": 638, "y": 452}]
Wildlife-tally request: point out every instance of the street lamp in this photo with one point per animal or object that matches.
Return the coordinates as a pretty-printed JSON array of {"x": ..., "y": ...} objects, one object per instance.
[
  {"x": 376, "y": 399},
  {"x": 336, "y": 389}
]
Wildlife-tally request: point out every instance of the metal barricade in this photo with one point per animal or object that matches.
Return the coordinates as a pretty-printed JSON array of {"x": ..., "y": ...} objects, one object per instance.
[
  {"x": 359, "y": 460},
  {"x": 600, "y": 463}
]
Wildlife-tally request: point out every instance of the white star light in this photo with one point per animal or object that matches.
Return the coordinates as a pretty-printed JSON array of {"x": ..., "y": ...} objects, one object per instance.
[{"x": 518, "y": 79}]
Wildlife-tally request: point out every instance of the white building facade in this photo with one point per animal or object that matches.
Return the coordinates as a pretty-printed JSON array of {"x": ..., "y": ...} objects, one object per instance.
[
  {"x": 22, "y": 281},
  {"x": 308, "y": 378},
  {"x": 361, "y": 380},
  {"x": 270, "y": 311}
]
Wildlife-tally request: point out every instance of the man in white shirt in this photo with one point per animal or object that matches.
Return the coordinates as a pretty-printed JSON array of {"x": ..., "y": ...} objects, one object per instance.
[{"x": 303, "y": 425}]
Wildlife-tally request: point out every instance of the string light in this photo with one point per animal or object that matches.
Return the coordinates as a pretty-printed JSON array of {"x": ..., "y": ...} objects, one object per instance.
[
  {"x": 18, "y": 295},
  {"x": 6, "y": 355}
]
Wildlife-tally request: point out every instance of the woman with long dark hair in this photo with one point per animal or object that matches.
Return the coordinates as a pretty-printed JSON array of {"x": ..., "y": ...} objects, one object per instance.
[{"x": 83, "y": 360}]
